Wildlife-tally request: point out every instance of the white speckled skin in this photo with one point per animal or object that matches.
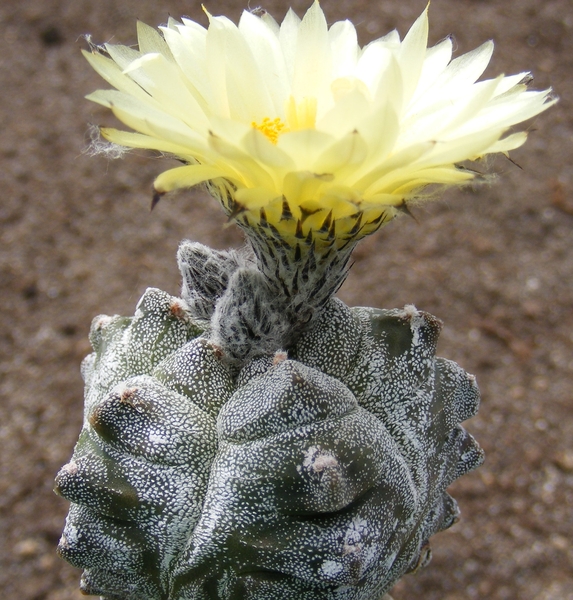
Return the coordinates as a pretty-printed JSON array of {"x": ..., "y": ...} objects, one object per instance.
[{"x": 316, "y": 474}]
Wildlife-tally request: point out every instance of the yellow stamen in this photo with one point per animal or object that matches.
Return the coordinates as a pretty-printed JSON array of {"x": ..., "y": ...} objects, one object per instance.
[{"x": 271, "y": 128}]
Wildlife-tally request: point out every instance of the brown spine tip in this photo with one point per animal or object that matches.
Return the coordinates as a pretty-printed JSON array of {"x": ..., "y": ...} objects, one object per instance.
[
  {"x": 405, "y": 209},
  {"x": 357, "y": 225},
  {"x": 237, "y": 209},
  {"x": 298, "y": 233},
  {"x": 156, "y": 198},
  {"x": 326, "y": 223},
  {"x": 287, "y": 213}
]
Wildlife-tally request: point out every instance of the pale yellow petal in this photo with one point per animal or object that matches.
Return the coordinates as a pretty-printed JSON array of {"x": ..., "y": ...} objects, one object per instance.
[
  {"x": 510, "y": 81},
  {"x": 146, "y": 119},
  {"x": 139, "y": 140},
  {"x": 405, "y": 181},
  {"x": 313, "y": 61},
  {"x": 472, "y": 104},
  {"x": 114, "y": 75},
  {"x": 373, "y": 65},
  {"x": 460, "y": 149},
  {"x": 511, "y": 142},
  {"x": 344, "y": 49},
  {"x": 349, "y": 109},
  {"x": 448, "y": 175},
  {"x": 460, "y": 73},
  {"x": 185, "y": 177},
  {"x": 437, "y": 59},
  {"x": 443, "y": 118},
  {"x": 345, "y": 153},
  {"x": 271, "y": 23},
  {"x": 380, "y": 130},
  {"x": 305, "y": 146},
  {"x": 255, "y": 198},
  {"x": 288, "y": 37},
  {"x": 122, "y": 55},
  {"x": 188, "y": 47},
  {"x": 171, "y": 24},
  {"x": 391, "y": 40},
  {"x": 397, "y": 161},
  {"x": 248, "y": 95},
  {"x": 412, "y": 54},
  {"x": 389, "y": 89},
  {"x": 215, "y": 63},
  {"x": 261, "y": 149},
  {"x": 246, "y": 168},
  {"x": 266, "y": 51},
  {"x": 510, "y": 111},
  {"x": 162, "y": 80},
  {"x": 149, "y": 41}
]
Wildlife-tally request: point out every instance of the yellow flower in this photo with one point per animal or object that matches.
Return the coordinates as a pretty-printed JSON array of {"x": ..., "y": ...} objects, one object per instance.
[{"x": 297, "y": 128}]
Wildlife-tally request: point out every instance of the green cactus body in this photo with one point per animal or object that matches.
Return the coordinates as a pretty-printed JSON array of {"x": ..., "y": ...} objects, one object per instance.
[{"x": 319, "y": 472}]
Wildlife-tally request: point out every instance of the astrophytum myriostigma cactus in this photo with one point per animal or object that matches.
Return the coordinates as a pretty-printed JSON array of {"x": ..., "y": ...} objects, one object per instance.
[
  {"x": 256, "y": 438},
  {"x": 314, "y": 473}
]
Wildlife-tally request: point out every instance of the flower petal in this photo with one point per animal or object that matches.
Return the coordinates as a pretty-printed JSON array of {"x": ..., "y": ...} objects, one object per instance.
[
  {"x": 236, "y": 73},
  {"x": 305, "y": 146},
  {"x": 437, "y": 59},
  {"x": 511, "y": 142},
  {"x": 288, "y": 37},
  {"x": 114, "y": 75},
  {"x": 139, "y": 140},
  {"x": 184, "y": 177},
  {"x": 266, "y": 51},
  {"x": 146, "y": 119},
  {"x": 460, "y": 73},
  {"x": 188, "y": 46},
  {"x": 150, "y": 41},
  {"x": 122, "y": 55},
  {"x": 258, "y": 146},
  {"x": 344, "y": 49},
  {"x": 313, "y": 61},
  {"x": 161, "y": 79},
  {"x": 349, "y": 108},
  {"x": 345, "y": 152},
  {"x": 412, "y": 54}
]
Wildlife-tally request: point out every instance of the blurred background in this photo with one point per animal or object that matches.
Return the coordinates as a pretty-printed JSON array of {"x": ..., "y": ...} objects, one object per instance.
[{"x": 495, "y": 263}]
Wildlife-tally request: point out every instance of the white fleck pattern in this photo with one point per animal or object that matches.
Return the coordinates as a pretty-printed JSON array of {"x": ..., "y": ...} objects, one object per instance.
[{"x": 316, "y": 473}]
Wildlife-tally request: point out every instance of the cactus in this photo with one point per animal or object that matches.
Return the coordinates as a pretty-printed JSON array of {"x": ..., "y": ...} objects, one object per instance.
[
  {"x": 315, "y": 470},
  {"x": 256, "y": 438}
]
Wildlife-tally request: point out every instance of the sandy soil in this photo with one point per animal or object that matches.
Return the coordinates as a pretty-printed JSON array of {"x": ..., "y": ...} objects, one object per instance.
[{"x": 495, "y": 263}]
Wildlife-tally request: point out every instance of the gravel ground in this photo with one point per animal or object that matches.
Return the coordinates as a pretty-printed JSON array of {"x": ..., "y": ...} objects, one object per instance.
[{"x": 495, "y": 263}]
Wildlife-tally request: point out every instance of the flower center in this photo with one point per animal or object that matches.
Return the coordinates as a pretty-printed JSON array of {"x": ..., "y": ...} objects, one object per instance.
[
  {"x": 299, "y": 115},
  {"x": 271, "y": 128}
]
